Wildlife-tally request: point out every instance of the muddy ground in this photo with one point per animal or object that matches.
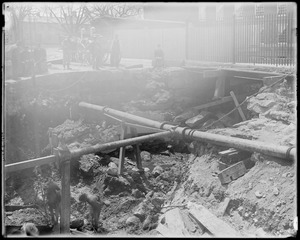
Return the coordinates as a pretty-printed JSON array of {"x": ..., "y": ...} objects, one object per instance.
[{"x": 261, "y": 202}]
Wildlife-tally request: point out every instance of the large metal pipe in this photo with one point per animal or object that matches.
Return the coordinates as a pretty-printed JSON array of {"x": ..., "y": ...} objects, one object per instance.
[
  {"x": 117, "y": 144},
  {"x": 284, "y": 152},
  {"x": 82, "y": 151}
]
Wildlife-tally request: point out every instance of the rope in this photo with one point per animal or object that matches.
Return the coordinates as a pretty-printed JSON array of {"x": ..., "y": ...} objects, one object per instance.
[{"x": 247, "y": 98}]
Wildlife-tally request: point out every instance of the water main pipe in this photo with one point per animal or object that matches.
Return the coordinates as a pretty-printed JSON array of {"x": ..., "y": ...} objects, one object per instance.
[{"x": 284, "y": 152}]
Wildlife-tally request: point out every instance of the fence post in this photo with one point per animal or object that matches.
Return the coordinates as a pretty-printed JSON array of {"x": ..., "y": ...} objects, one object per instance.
[{"x": 233, "y": 39}]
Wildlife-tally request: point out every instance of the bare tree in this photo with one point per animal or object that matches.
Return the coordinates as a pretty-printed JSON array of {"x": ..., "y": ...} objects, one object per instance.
[
  {"x": 71, "y": 17},
  {"x": 116, "y": 10},
  {"x": 18, "y": 12}
]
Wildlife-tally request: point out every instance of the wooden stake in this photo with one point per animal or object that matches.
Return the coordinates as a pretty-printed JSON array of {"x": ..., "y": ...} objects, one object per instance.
[
  {"x": 65, "y": 198},
  {"x": 137, "y": 151},
  {"x": 122, "y": 149},
  {"x": 237, "y": 105}
]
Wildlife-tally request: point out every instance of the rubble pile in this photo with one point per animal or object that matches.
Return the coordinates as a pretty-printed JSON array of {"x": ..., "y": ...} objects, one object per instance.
[{"x": 261, "y": 201}]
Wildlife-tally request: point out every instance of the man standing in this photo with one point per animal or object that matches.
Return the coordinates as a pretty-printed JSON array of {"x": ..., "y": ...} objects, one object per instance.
[
  {"x": 115, "y": 56},
  {"x": 67, "y": 50},
  {"x": 40, "y": 58},
  {"x": 158, "y": 57}
]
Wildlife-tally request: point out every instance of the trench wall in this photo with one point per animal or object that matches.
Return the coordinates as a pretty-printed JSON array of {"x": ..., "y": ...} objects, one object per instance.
[{"x": 34, "y": 105}]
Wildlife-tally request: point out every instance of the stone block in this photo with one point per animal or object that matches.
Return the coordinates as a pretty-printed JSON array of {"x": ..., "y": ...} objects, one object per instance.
[{"x": 198, "y": 120}]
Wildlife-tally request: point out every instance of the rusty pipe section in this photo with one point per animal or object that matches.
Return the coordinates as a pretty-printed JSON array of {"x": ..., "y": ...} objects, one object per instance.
[
  {"x": 117, "y": 144},
  {"x": 284, "y": 152}
]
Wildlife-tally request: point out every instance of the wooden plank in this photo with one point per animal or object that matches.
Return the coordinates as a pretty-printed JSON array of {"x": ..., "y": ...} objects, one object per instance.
[
  {"x": 228, "y": 151},
  {"x": 270, "y": 80},
  {"x": 65, "y": 199},
  {"x": 29, "y": 163},
  {"x": 122, "y": 149},
  {"x": 233, "y": 172},
  {"x": 175, "y": 223},
  {"x": 223, "y": 207},
  {"x": 136, "y": 150},
  {"x": 237, "y": 105},
  {"x": 11, "y": 208},
  {"x": 166, "y": 232},
  {"x": 214, "y": 225},
  {"x": 214, "y": 103}
]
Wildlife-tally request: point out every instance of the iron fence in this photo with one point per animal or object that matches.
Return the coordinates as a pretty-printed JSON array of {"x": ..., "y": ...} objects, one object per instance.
[{"x": 266, "y": 39}]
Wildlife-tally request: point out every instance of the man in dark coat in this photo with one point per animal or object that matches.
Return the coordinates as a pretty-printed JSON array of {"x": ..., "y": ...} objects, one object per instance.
[
  {"x": 67, "y": 51},
  {"x": 159, "y": 58},
  {"x": 40, "y": 58},
  {"x": 115, "y": 56}
]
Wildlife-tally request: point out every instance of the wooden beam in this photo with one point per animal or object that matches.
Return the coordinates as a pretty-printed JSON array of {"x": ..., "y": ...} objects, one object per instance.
[
  {"x": 228, "y": 151},
  {"x": 237, "y": 105},
  {"x": 122, "y": 149},
  {"x": 233, "y": 172},
  {"x": 214, "y": 103},
  {"x": 11, "y": 208},
  {"x": 214, "y": 225},
  {"x": 30, "y": 163},
  {"x": 136, "y": 150},
  {"x": 65, "y": 199}
]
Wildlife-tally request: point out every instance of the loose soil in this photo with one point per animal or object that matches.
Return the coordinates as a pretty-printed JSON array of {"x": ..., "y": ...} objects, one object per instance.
[{"x": 262, "y": 201}]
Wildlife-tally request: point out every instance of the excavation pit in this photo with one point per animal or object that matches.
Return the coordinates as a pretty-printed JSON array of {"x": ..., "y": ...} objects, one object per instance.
[{"x": 51, "y": 102}]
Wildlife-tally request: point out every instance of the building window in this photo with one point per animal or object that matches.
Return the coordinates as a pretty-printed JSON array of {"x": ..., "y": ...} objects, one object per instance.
[
  {"x": 281, "y": 9},
  {"x": 259, "y": 10}
]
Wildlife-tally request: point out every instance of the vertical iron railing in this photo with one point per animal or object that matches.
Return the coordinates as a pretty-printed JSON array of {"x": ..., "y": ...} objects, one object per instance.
[{"x": 263, "y": 39}]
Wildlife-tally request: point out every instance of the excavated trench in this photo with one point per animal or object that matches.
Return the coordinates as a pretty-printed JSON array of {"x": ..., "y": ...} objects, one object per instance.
[{"x": 35, "y": 107}]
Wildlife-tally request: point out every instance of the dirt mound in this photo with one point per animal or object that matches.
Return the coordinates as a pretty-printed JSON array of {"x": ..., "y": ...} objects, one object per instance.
[{"x": 264, "y": 198}]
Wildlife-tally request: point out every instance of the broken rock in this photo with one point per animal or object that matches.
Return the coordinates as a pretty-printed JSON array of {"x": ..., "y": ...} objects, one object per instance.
[
  {"x": 275, "y": 191},
  {"x": 157, "y": 171},
  {"x": 258, "y": 194},
  {"x": 146, "y": 156},
  {"x": 198, "y": 120},
  {"x": 112, "y": 171},
  {"x": 186, "y": 115},
  {"x": 77, "y": 223},
  {"x": 133, "y": 221},
  {"x": 112, "y": 165},
  {"x": 137, "y": 193}
]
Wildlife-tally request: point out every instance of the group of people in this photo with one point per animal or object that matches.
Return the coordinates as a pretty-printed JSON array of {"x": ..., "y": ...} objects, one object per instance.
[
  {"x": 27, "y": 61},
  {"x": 92, "y": 51}
]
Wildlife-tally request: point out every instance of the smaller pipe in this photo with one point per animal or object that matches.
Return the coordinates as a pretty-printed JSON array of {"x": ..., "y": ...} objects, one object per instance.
[
  {"x": 29, "y": 163},
  {"x": 117, "y": 144}
]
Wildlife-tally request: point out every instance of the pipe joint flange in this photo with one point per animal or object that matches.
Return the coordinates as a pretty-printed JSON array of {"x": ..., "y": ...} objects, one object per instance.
[
  {"x": 288, "y": 153},
  {"x": 162, "y": 124},
  {"x": 183, "y": 131}
]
